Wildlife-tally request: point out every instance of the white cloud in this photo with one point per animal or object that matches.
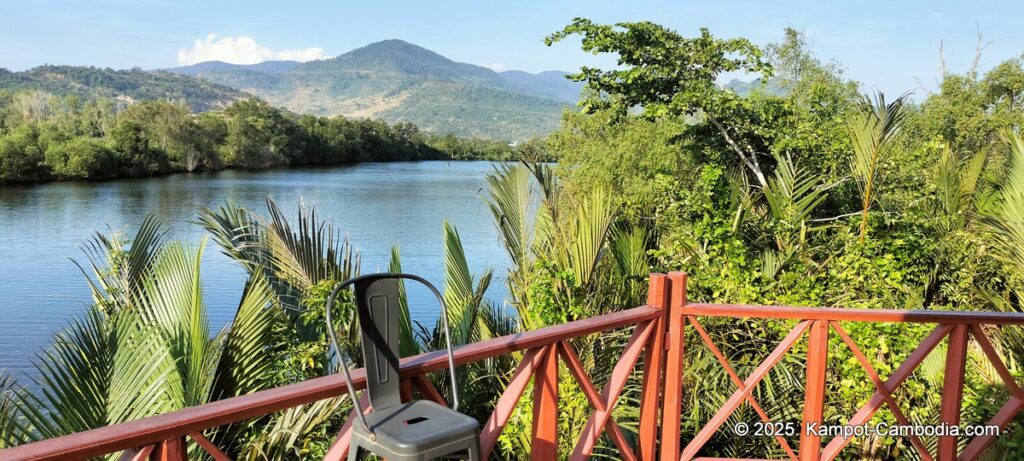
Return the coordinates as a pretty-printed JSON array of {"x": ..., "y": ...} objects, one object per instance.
[
  {"x": 240, "y": 50},
  {"x": 496, "y": 67}
]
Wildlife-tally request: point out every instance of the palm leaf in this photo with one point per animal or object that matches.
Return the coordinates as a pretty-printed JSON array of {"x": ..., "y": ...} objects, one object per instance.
[
  {"x": 511, "y": 204},
  {"x": 73, "y": 378},
  {"x": 1007, "y": 221},
  {"x": 871, "y": 128},
  {"x": 584, "y": 243},
  {"x": 407, "y": 340}
]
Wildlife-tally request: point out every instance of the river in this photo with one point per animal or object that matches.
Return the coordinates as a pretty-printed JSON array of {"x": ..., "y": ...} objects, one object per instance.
[{"x": 376, "y": 204}]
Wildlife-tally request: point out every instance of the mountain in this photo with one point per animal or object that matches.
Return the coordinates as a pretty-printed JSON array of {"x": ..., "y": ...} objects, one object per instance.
[
  {"x": 269, "y": 67},
  {"x": 401, "y": 82},
  {"x": 772, "y": 87},
  {"x": 134, "y": 84},
  {"x": 550, "y": 84}
]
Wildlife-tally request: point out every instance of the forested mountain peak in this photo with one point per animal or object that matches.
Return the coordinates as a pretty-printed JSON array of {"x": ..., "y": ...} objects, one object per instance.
[
  {"x": 405, "y": 59},
  {"x": 133, "y": 84}
]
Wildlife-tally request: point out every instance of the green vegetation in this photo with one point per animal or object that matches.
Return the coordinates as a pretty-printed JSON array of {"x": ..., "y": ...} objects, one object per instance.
[
  {"x": 813, "y": 195},
  {"x": 800, "y": 192},
  {"x": 124, "y": 85},
  {"x": 44, "y": 137},
  {"x": 401, "y": 82}
]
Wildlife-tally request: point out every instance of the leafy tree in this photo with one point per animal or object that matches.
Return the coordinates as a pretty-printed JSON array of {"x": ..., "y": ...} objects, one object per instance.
[
  {"x": 665, "y": 73},
  {"x": 82, "y": 158},
  {"x": 259, "y": 136},
  {"x": 21, "y": 159},
  {"x": 169, "y": 128}
]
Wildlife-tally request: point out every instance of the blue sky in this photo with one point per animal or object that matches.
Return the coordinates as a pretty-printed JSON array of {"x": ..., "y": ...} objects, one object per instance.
[{"x": 886, "y": 45}]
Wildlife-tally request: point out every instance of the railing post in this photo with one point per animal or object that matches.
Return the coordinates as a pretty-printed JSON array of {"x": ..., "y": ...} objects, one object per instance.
[
  {"x": 953, "y": 389},
  {"x": 545, "y": 408},
  {"x": 673, "y": 395},
  {"x": 814, "y": 393},
  {"x": 171, "y": 450},
  {"x": 654, "y": 356}
]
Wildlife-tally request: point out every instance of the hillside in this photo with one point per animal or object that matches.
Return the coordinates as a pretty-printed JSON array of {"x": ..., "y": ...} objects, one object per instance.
[
  {"x": 550, "y": 84},
  {"x": 134, "y": 84},
  {"x": 399, "y": 81}
]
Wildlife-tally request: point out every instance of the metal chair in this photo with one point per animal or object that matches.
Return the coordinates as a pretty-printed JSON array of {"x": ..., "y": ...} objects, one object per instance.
[{"x": 396, "y": 431}]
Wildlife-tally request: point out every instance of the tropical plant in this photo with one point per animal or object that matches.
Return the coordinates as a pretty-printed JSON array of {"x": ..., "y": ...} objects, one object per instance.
[
  {"x": 151, "y": 354},
  {"x": 872, "y": 128}
]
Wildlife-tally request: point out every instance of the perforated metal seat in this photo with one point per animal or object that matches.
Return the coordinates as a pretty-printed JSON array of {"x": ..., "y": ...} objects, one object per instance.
[{"x": 397, "y": 431}]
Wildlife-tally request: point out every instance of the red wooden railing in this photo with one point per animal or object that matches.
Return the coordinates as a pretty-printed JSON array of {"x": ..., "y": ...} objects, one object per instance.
[{"x": 659, "y": 331}]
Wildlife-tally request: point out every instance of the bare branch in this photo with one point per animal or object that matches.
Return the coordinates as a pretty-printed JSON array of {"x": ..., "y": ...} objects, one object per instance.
[
  {"x": 942, "y": 61},
  {"x": 978, "y": 48},
  {"x": 750, "y": 160},
  {"x": 920, "y": 85}
]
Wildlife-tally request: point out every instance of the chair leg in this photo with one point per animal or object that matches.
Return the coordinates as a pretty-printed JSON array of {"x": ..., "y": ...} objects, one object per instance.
[
  {"x": 353, "y": 450},
  {"x": 474, "y": 449}
]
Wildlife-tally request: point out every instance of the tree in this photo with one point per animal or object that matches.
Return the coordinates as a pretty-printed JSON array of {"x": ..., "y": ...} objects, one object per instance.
[
  {"x": 259, "y": 136},
  {"x": 82, "y": 158},
  {"x": 667, "y": 74},
  {"x": 169, "y": 128},
  {"x": 21, "y": 159}
]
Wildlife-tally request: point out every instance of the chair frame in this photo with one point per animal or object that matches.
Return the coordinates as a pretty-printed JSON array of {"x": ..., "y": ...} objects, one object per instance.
[{"x": 343, "y": 363}]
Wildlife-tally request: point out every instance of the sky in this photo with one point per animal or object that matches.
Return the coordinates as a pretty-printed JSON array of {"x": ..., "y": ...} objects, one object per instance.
[{"x": 891, "y": 46}]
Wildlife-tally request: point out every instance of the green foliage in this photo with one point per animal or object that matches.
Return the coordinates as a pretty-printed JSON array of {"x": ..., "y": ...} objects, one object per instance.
[
  {"x": 765, "y": 199},
  {"x": 872, "y": 129},
  {"x": 134, "y": 84},
  {"x": 43, "y": 137},
  {"x": 664, "y": 72},
  {"x": 82, "y": 158},
  {"x": 20, "y": 155}
]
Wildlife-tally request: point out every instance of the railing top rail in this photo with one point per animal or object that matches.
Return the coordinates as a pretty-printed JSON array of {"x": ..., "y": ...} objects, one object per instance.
[
  {"x": 855, "y": 315},
  {"x": 146, "y": 431}
]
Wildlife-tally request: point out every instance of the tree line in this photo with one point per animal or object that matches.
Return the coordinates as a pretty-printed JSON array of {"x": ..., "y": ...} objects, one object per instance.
[{"x": 45, "y": 137}]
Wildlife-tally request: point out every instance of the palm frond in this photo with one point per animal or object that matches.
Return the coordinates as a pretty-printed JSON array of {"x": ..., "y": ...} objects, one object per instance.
[
  {"x": 871, "y": 128},
  {"x": 587, "y": 235},
  {"x": 283, "y": 437},
  {"x": 1007, "y": 221},
  {"x": 246, "y": 361},
  {"x": 461, "y": 296},
  {"x": 793, "y": 194},
  {"x": 11, "y": 431},
  {"x": 119, "y": 264},
  {"x": 407, "y": 339},
  {"x": 238, "y": 233},
  {"x": 73, "y": 379},
  {"x": 511, "y": 201},
  {"x": 171, "y": 300}
]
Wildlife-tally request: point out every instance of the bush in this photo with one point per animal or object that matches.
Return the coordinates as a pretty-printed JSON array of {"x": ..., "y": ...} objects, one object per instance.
[
  {"x": 82, "y": 158},
  {"x": 21, "y": 159}
]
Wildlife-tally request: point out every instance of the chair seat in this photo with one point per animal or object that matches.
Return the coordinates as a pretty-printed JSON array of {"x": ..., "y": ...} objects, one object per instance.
[{"x": 417, "y": 426}]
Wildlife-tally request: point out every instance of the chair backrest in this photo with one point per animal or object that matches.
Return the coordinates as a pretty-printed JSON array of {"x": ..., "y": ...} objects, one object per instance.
[{"x": 377, "y": 306}]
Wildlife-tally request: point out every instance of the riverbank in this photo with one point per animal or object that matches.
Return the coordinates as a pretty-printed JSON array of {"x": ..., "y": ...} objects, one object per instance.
[{"x": 100, "y": 140}]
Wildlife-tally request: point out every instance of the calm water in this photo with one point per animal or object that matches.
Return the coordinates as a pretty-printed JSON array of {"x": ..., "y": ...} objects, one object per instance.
[{"x": 377, "y": 205}]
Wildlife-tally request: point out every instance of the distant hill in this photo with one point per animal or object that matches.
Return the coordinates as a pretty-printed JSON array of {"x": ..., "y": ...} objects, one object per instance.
[
  {"x": 402, "y": 82},
  {"x": 134, "y": 84},
  {"x": 772, "y": 87},
  {"x": 550, "y": 84},
  {"x": 269, "y": 67}
]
